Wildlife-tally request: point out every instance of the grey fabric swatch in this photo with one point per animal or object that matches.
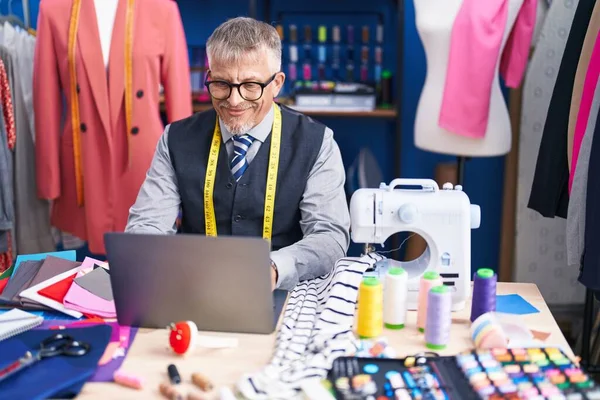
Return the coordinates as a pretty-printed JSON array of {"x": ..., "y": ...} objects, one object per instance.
[
  {"x": 19, "y": 282},
  {"x": 97, "y": 282},
  {"x": 577, "y": 202},
  {"x": 51, "y": 266}
]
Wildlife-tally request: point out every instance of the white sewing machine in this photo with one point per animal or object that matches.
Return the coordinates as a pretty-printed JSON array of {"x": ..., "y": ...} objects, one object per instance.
[{"x": 444, "y": 218}]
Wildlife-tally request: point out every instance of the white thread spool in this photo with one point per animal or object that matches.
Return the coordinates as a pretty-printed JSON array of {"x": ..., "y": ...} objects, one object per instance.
[
  {"x": 394, "y": 298},
  {"x": 428, "y": 280}
]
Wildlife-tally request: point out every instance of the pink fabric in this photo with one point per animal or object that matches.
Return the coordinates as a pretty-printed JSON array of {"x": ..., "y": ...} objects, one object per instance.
[
  {"x": 81, "y": 300},
  {"x": 587, "y": 97},
  {"x": 474, "y": 50},
  {"x": 112, "y": 180}
]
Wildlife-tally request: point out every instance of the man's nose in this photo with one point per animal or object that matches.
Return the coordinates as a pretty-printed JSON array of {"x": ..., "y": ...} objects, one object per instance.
[{"x": 235, "y": 99}]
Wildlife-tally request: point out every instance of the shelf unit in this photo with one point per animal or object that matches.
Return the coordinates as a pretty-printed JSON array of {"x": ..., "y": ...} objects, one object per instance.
[{"x": 388, "y": 113}]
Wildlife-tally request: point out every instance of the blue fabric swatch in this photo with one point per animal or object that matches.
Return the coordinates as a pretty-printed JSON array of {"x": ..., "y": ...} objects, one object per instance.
[
  {"x": 70, "y": 255},
  {"x": 514, "y": 304}
]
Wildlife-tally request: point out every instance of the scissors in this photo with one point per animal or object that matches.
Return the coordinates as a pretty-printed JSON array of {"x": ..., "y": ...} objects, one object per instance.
[{"x": 56, "y": 345}]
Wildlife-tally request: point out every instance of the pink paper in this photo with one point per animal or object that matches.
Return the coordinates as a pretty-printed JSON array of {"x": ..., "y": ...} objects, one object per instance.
[{"x": 81, "y": 300}]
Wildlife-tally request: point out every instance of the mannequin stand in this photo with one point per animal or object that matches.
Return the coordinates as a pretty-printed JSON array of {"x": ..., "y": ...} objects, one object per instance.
[{"x": 460, "y": 170}]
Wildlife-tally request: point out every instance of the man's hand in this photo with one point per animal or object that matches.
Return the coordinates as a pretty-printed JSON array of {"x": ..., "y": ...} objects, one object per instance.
[{"x": 274, "y": 276}]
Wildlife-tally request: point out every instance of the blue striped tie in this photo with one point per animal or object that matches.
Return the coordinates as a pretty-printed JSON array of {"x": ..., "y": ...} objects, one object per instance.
[{"x": 241, "y": 144}]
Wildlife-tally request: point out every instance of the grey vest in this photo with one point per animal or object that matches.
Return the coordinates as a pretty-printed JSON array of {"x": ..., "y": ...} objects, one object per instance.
[{"x": 239, "y": 206}]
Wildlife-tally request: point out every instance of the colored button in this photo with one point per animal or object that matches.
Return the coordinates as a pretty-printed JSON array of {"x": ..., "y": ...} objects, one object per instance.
[
  {"x": 562, "y": 361},
  {"x": 486, "y": 391},
  {"x": 510, "y": 388},
  {"x": 542, "y": 363},
  {"x": 512, "y": 369},
  {"x": 530, "y": 368},
  {"x": 563, "y": 386},
  {"x": 496, "y": 376},
  {"x": 537, "y": 357},
  {"x": 594, "y": 395},
  {"x": 477, "y": 377},
  {"x": 504, "y": 358},
  {"x": 576, "y": 396},
  {"x": 558, "y": 379},
  {"x": 524, "y": 385},
  {"x": 552, "y": 372},
  {"x": 521, "y": 358},
  {"x": 409, "y": 361},
  {"x": 585, "y": 385},
  {"x": 577, "y": 378},
  {"x": 371, "y": 369}
]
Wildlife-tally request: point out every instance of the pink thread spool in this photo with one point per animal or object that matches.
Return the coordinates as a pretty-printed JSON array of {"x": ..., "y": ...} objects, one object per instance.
[{"x": 428, "y": 280}]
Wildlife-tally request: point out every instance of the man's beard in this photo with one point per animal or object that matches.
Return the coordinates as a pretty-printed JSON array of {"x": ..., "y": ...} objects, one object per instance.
[{"x": 239, "y": 129}]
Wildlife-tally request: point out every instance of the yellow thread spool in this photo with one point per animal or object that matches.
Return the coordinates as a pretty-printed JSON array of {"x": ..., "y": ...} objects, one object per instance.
[{"x": 370, "y": 308}]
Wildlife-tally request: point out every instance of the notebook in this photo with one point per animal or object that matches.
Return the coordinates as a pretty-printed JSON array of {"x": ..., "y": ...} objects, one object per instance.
[{"x": 17, "y": 321}]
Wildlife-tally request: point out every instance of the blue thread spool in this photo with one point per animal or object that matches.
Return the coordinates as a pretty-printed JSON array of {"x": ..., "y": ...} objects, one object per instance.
[{"x": 439, "y": 317}]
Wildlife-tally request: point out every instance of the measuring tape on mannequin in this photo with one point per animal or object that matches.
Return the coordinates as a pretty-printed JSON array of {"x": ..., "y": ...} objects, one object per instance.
[
  {"x": 211, "y": 172},
  {"x": 75, "y": 116}
]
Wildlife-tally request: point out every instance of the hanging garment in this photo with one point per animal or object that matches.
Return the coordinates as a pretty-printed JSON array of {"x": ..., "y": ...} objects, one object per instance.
[
  {"x": 477, "y": 37},
  {"x": 540, "y": 242},
  {"x": 32, "y": 231},
  {"x": 316, "y": 328},
  {"x": 590, "y": 262},
  {"x": 549, "y": 191},
  {"x": 580, "y": 77},
  {"x": 587, "y": 97},
  {"x": 7, "y": 137},
  {"x": 575, "y": 231},
  {"x": 111, "y": 159}
]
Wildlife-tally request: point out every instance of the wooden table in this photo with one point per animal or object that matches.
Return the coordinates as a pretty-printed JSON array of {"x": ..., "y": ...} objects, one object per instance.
[{"x": 149, "y": 354}]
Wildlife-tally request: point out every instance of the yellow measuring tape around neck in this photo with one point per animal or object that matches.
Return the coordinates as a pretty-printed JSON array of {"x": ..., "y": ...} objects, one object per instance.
[
  {"x": 210, "y": 220},
  {"x": 75, "y": 116}
]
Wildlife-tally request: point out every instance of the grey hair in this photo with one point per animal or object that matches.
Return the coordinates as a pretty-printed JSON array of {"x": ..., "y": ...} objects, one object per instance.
[{"x": 242, "y": 37}]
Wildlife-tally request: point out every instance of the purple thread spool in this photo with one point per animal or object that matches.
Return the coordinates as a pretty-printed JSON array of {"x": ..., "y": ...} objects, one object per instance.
[
  {"x": 484, "y": 292},
  {"x": 439, "y": 317}
]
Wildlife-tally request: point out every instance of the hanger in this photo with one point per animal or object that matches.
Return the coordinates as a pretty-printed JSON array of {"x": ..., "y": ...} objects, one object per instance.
[{"x": 11, "y": 18}]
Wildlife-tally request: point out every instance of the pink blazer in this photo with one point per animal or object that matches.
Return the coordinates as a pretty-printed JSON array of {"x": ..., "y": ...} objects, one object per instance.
[
  {"x": 587, "y": 97},
  {"x": 475, "y": 45},
  {"x": 110, "y": 185}
]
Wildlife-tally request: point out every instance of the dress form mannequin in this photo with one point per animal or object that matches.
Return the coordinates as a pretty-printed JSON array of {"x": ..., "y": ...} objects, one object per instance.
[
  {"x": 434, "y": 21},
  {"x": 106, "y": 11}
]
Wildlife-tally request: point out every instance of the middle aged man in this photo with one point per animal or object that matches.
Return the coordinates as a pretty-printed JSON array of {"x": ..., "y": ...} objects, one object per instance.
[{"x": 225, "y": 166}]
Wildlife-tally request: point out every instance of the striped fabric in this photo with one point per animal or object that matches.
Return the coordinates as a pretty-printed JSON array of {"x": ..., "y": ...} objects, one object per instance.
[
  {"x": 241, "y": 144},
  {"x": 316, "y": 329}
]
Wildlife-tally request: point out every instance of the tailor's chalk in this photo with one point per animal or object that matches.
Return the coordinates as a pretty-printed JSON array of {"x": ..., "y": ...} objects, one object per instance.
[
  {"x": 174, "y": 376},
  {"x": 170, "y": 392},
  {"x": 202, "y": 382},
  {"x": 128, "y": 380}
]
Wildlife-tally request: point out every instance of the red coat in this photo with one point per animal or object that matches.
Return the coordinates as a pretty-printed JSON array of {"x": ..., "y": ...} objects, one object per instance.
[{"x": 110, "y": 184}]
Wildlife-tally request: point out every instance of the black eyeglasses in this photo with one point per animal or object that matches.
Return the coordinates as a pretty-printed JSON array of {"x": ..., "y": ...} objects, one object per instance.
[{"x": 249, "y": 91}]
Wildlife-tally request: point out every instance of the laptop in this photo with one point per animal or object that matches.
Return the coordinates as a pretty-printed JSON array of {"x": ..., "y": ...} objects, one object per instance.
[{"x": 221, "y": 283}]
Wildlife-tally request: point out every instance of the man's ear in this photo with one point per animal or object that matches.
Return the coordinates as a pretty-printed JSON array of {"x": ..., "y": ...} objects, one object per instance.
[{"x": 278, "y": 83}]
